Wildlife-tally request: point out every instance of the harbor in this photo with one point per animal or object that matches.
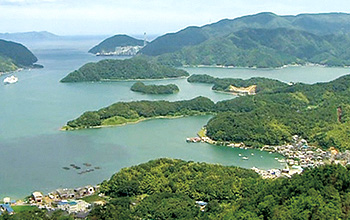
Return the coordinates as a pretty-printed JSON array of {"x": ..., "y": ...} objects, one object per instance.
[{"x": 298, "y": 155}]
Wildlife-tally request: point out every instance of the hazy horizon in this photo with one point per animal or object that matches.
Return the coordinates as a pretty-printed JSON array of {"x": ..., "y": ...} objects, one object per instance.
[{"x": 134, "y": 17}]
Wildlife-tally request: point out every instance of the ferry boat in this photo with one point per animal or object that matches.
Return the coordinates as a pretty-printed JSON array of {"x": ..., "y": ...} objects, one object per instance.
[{"x": 10, "y": 80}]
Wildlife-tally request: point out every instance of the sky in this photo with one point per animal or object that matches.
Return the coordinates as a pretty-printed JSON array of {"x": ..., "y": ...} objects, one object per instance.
[{"x": 134, "y": 17}]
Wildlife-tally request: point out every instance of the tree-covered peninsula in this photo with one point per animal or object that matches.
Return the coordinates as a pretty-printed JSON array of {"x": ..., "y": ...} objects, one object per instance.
[
  {"x": 110, "y": 69},
  {"x": 175, "y": 189},
  {"x": 240, "y": 86},
  {"x": 319, "y": 113},
  {"x": 14, "y": 56},
  {"x": 154, "y": 89},
  {"x": 128, "y": 112}
]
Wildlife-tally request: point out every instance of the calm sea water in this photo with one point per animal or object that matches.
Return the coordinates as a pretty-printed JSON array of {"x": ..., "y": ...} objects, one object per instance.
[{"x": 33, "y": 150}]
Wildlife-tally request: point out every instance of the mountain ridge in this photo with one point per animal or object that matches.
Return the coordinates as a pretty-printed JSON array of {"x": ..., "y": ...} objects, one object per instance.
[{"x": 319, "y": 24}]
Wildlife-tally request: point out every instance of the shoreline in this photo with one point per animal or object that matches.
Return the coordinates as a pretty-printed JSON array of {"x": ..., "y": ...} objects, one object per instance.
[
  {"x": 21, "y": 69},
  {"x": 10, "y": 72},
  {"x": 262, "y": 68},
  {"x": 129, "y": 80}
]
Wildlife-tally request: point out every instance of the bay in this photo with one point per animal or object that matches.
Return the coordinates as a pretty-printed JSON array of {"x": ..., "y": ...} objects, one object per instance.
[{"x": 33, "y": 150}]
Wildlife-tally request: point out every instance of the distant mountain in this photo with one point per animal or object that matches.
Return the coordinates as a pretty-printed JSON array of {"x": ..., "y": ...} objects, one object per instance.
[
  {"x": 14, "y": 55},
  {"x": 110, "y": 44},
  {"x": 264, "y": 48},
  {"x": 26, "y": 36},
  {"x": 318, "y": 24}
]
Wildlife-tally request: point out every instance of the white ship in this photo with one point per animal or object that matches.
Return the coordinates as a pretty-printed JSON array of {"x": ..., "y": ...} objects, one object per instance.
[{"x": 10, "y": 80}]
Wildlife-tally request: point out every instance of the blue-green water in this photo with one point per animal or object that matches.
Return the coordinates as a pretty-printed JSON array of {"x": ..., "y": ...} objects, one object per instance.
[{"x": 33, "y": 150}]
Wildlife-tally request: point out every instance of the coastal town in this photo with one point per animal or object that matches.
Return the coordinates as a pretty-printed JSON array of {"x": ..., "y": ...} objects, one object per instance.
[
  {"x": 298, "y": 155},
  {"x": 122, "y": 51}
]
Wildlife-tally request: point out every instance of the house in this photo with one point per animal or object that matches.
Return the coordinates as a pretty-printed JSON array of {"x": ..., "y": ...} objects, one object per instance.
[
  {"x": 66, "y": 193},
  {"x": 6, "y": 208},
  {"x": 38, "y": 197},
  {"x": 84, "y": 191}
]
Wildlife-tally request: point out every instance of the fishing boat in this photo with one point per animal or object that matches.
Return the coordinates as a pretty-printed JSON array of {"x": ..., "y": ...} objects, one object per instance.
[{"x": 10, "y": 80}]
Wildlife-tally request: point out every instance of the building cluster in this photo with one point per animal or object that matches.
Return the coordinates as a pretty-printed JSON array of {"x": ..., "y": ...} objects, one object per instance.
[
  {"x": 204, "y": 139},
  {"x": 300, "y": 154},
  {"x": 122, "y": 51},
  {"x": 69, "y": 200}
]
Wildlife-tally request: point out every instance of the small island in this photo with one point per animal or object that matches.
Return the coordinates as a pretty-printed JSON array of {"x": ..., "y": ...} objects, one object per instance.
[
  {"x": 128, "y": 69},
  {"x": 155, "y": 89}
]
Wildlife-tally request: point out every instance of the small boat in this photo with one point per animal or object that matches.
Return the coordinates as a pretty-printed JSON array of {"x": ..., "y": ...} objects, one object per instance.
[
  {"x": 97, "y": 168},
  {"x": 10, "y": 80},
  {"x": 87, "y": 164},
  {"x": 244, "y": 158},
  {"x": 66, "y": 168},
  {"x": 240, "y": 155},
  {"x": 252, "y": 154}
]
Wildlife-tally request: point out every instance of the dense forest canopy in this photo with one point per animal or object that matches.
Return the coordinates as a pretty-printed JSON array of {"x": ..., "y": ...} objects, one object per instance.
[
  {"x": 168, "y": 189},
  {"x": 154, "y": 89},
  {"x": 135, "y": 68}
]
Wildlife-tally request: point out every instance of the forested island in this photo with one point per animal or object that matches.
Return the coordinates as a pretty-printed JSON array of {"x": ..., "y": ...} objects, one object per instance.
[
  {"x": 176, "y": 189},
  {"x": 319, "y": 113},
  {"x": 14, "y": 56},
  {"x": 128, "y": 112},
  {"x": 263, "y": 40},
  {"x": 154, "y": 89},
  {"x": 109, "y": 70}
]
